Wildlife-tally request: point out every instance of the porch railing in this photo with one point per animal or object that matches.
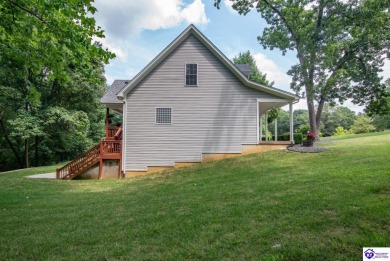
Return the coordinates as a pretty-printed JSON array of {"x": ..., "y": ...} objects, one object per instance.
[{"x": 110, "y": 132}]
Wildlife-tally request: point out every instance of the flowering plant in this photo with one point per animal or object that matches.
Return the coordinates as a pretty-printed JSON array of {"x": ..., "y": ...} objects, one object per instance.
[{"x": 310, "y": 134}]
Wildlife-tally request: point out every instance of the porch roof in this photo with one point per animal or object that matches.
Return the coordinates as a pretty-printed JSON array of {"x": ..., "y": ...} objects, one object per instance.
[
  {"x": 267, "y": 104},
  {"x": 110, "y": 97}
]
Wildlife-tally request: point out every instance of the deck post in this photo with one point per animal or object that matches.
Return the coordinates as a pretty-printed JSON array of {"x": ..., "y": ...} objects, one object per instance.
[
  {"x": 290, "y": 105},
  {"x": 107, "y": 120},
  {"x": 120, "y": 160},
  {"x": 101, "y": 160}
]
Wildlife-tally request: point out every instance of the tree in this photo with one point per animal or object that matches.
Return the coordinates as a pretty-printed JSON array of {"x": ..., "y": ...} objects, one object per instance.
[
  {"x": 256, "y": 75},
  {"x": 283, "y": 122},
  {"x": 380, "y": 106},
  {"x": 45, "y": 48},
  {"x": 300, "y": 117},
  {"x": 68, "y": 119},
  {"x": 362, "y": 124},
  {"x": 381, "y": 122},
  {"x": 336, "y": 116},
  {"x": 340, "y": 47}
]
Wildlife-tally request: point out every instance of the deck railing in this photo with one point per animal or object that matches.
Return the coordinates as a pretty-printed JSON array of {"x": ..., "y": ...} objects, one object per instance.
[
  {"x": 110, "y": 132},
  {"x": 109, "y": 149}
]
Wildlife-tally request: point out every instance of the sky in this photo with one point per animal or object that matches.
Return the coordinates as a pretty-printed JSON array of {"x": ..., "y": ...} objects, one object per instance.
[{"x": 138, "y": 30}]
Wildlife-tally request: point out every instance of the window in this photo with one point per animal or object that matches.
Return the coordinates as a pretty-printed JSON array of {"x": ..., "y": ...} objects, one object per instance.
[
  {"x": 163, "y": 115},
  {"x": 191, "y": 74}
]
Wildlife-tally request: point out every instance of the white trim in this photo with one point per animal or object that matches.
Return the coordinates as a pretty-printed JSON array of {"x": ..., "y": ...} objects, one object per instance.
[
  {"x": 185, "y": 75},
  {"x": 155, "y": 116},
  {"x": 272, "y": 100},
  {"x": 261, "y": 128},
  {"x": 266, "y": 126},
  {"x": 276, "y": 129},
  {"x": 257, "y": 121},
  {"x": 290, "y": 107},
  {"x": 124, "y": 128},
  {"x": 223, "y": 151}
]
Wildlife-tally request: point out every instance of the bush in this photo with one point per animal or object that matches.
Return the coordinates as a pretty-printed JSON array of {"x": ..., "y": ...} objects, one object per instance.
[
  {"x": 362, "y": 124},
  {"x": 304, "y": 129},
  {"x": 340, "y": 131},
  {"x": 298, "y": 137},
  {"x": 325, "y": 134}
]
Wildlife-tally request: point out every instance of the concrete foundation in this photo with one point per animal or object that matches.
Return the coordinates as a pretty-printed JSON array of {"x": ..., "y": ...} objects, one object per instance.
[{"x": 110, "y": 170}]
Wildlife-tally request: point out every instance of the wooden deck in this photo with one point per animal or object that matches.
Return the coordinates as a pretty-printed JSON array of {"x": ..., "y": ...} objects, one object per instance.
[
  {"x": 105, "y": 149},
  {"x": 109, "y": 148}
]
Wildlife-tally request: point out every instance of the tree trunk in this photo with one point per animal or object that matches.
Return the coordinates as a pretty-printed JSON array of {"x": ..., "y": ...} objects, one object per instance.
[
  {"x": 26, "y": 152},
  {"x": 309, "y": 86},
  {"x": 312, "y": 116},
  {"x": 18, "y": 159},
  {"x": 36, "y": 147},
  {"x": 318, "y": 118}
]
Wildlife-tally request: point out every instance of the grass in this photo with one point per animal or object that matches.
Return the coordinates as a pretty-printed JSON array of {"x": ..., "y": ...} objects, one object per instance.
[{"x": 277, "y": 205}]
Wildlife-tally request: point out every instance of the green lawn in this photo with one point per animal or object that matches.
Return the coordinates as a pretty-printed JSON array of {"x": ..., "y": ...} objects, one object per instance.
[{"x": 277, "y": 205}]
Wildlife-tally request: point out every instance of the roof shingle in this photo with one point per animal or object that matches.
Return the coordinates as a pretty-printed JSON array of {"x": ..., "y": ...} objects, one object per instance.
[{"x": 110, "y": 95}]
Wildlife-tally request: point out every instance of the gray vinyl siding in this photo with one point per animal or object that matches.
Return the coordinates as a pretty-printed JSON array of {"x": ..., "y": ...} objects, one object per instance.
[{"x": 217, "y": 116}]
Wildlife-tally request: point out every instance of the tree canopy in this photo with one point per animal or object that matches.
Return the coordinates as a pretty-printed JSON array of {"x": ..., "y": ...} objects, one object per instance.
[
  {"x": 51, "y": 79},
  {"x": 256, "y": 75},
  {"x": 336, "y": 116},
  {"x": 340, "y": 48}
]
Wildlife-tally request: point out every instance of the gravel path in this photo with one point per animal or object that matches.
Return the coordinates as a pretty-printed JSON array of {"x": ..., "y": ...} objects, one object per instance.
[{"x": 43, "y": 176}]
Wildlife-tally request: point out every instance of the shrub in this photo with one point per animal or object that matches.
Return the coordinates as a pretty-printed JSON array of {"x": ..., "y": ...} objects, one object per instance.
[
  {"x": 340, "y": 131},
  {"x": 298, "y": 137},
  {"x": 325, "y": 134},
  {"x": 362, "y": 124},
  {"x": 304, "y": 129}
]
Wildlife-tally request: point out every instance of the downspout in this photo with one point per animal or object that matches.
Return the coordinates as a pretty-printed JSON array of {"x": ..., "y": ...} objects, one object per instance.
[{"x": 124, "y": 128}]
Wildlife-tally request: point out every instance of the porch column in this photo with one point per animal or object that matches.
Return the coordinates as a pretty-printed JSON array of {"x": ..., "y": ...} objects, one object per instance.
[
  {"x": 266, "y": 126},
  {"x": 291, "y": 122},
  {"x": 276, "y": 129},
  {"x": 261, "y": 128},
  {"x": 107, "y": 121}
]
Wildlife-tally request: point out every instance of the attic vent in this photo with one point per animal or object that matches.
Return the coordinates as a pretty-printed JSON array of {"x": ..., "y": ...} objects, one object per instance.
[
  {"x": 163, "y": 115},
  {"x": 126, "y": 82}
]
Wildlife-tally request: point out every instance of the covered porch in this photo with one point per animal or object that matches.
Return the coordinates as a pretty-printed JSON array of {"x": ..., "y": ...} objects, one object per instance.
[{"x": 263, "y": 108}]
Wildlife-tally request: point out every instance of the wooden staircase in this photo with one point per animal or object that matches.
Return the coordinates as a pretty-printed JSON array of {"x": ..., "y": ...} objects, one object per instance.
[{"x": 105, "y": 149}]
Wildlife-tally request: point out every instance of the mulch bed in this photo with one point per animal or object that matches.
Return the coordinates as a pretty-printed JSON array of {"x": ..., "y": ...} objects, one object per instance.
[{"x": 303, "y": 149}]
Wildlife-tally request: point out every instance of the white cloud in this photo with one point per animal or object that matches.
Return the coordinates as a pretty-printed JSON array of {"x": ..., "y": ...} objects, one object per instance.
[
  {"x": 229, "y": 6},
  {"x": 120, "y": 52},
  {"x": 274, "y": 73},
  {"x": 195, "y": 13},
  {"x": 122, "y": 18}
]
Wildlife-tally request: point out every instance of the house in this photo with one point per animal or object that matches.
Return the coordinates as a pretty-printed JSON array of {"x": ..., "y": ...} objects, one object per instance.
[{"x": 190, "y": 104}]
